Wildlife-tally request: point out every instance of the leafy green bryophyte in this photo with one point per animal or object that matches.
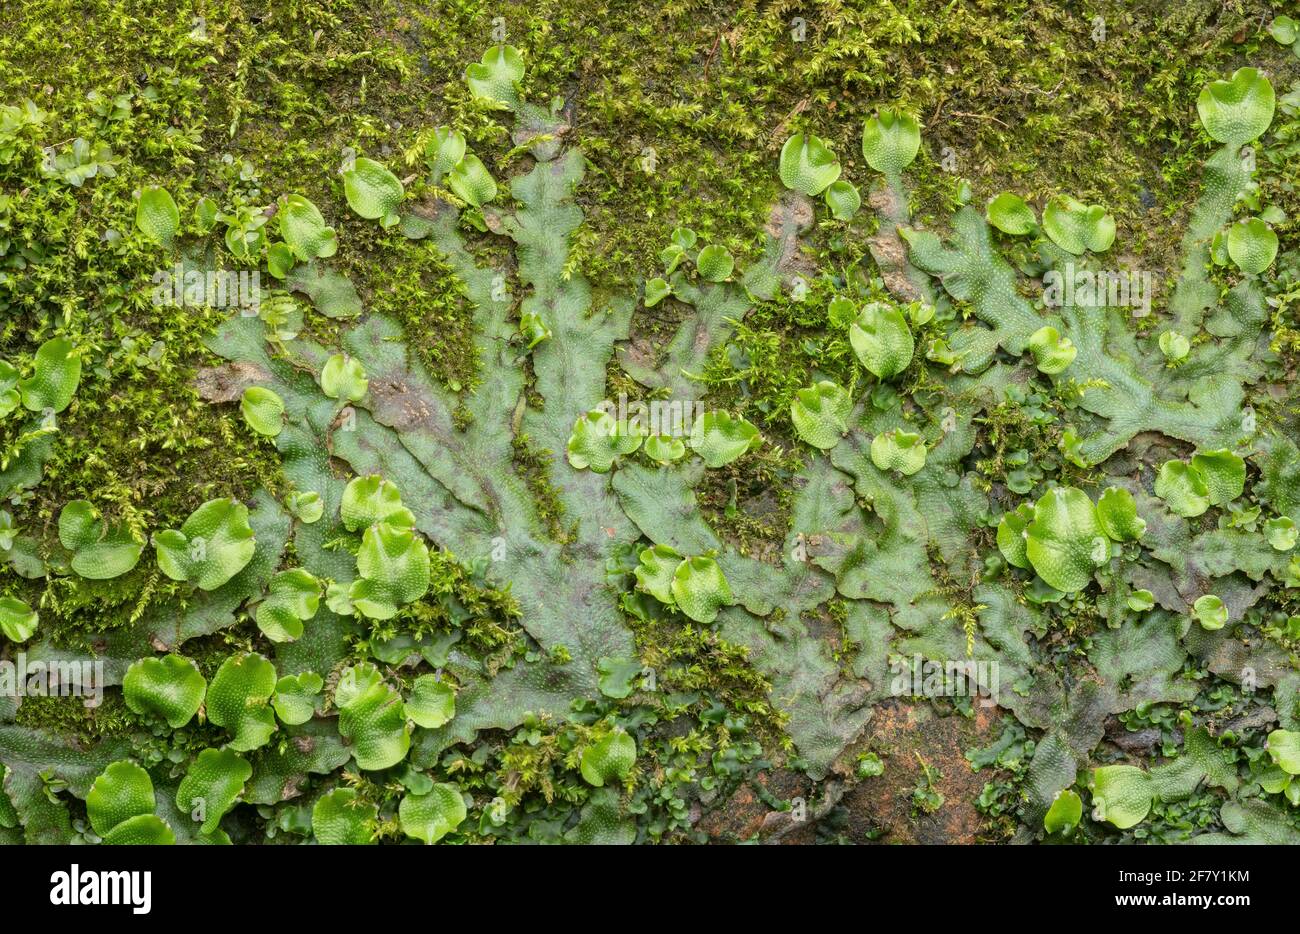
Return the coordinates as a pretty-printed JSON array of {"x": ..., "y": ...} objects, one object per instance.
[
  {"x": 431, "y": 816},
  {"x": 170, "y": 687},
  {"x": 882, "y": 340},
  {"x": 1252, "y": 245},
  {"x": 1174, "y": 346},
  {"x": 664, "y": 449},
  {"x": 263, "y": 410},
  {"x": 533, "y": 329},
  {"x": 654, "y": 573},
  {"x": 10, "y": 398},
  {"x": 370, "y": 500},
  {"x": 18, "y": 621},
  {"x": 53, "y": 383},
  {"x": 820, "y": 414},
  {"x": 392, "y": 569},
  {"x": 1210, "y": 612},
  {"x": 681, "y": 241},
  {"x": 1121, "y": 794},
  {"x": 212, "y": 786},
  {"x": 1010, "y": 214},
  {"x": 890, "y": 140},
  {"x": 1238, "y": 110},
  {"x": 432, "y": 702},
  {"x": 700, "y": 589},
  {"x": 495, "y": 78},
  {"x": 1212, "y": 478},
  {"x": 120, "y": 805},
  {"x": 656, "y": 290},
  {"x": 1011, "y": 535},
  {"x": 1064, "y": 814},
  {"x": 373, "y": 192},
  {"x": 1118, "y": 517},
  {"x": 714, "y": 263},
  {"x": 598, "y": 440},
  {"x": 807, "y": 164},
  {"x": 245, "y": 236},
  {"x": 239, "y": 700},
  {"x": 609, "y": 759},
  {"x": 344, "y": 378},
  {"x": 1065, "y": 543},
  {"x": 719, "y": 438},
  {"x": 1077, "y": 227},
  {"x": 1286, "y": 31},
  {"x": 1139, "y": 601},
  {"x": 843, "y": 200},
  {"x": 442, "y": 151},
  {"x": 1281, "y": 533},
  {"x": 1284, "y": 748},
  {"x": 903, "y": 451},
  {"x": 472, "y": 182},
  {"x": 1053, "y": 353},
  {"x": 617, "y": 675},
  {"x": 372, "y": 718},
  {"x": 341, "y": 818},
  {"x": 280, "y": 261},
  {"x": 304, "y": 230},
  {"x": 291, "y": 600},
  {"x": 212, "y": 546},
  {"x": 157, "y": 217},
  {"x": 305, "y": 505},
  {"x": 295, "y": 697},
  {"x": 100, "y": 550}
]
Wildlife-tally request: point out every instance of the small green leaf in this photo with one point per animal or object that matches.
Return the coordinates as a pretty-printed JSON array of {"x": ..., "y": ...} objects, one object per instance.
[
  {"x": 292, "y": 599},
  {"x": 157, "y": 217},
  {"x": 1183, "y": 489},
  {"x": 373, "y": 192},
  {"x": 1065, "y": 542},
  {"x": 239, "y": 700},
  {"x": 719, "y": 438},
  {"x": 432, "y": 702},
  {"x": 306, "y": 506},
  {"x": 213, "y": 545},
  {"x": 882, "y": 340},
  {"x": 57, "y": 372},
  {"x": 700, "y": 589},
  {"x": 1064, "y": 814},
  {"x": 212, "y": 785},
  {"x": 1053, "y": 353},
  {"x": 444, "y": 149},
  {"x": 610, "y": 758},
  {"x": 100, "y": 551},
  {"x": 533, "y": 328},
  {"x": 903, "y": 451},
  {"x": 263, "y": 410},
  {"x": 372, "y": 718},
  {"x": 472, "y": 182},
  {"x": 654, "y": 574},
  {"x": 1011, "y": 535},
  {"x": 807, "y": 164},
  {"x": 1117, "y": 513},
  {"x": 890, "y": 141},
  {"x": 122, "y": 791},
  {"x": 430, "y": 817},
  {"x": 372, "y": 499},
  {"x": 295, "y": 697},
  {"x": 1284, "y": 30},
  {"x": 1238, "y": 110},
  {"x": 1139, "y": 601},
  {"x": 1284, "y": 747},
  {"x": 1121, "y": 794},
  {"x": 820, "y": 414},
  {"x": 715, "y": 263},
  {"x": 17, "y": 619},
  {"x": 344, "y": 378},
  {"x": 1077, "y": 227},
  {"x": 1281, "y": 532},
  {"x": 305, "y": 231},
  {"x": 1210, "y": 612},
  {"x": 843, "y": 200},
  {"x": 598, "y": 440},
  {"x": 664, "y": 449},
  {"x": 617, "y": 675},
  {"x": 1174, "y": 346},
  {"x": 341, "y": 818},
  {"x": 656, "y": 290},
  {"x": 495, "y": 78},
  {"x": 392, "y": 568},
  {"x": 1010, "y": 214},
  {"x": 142, "y": 830},
  {"x": 1252, "y": 244},
  {"x": 170, "y": 687},
  {"x": 1224, "y": 474}
]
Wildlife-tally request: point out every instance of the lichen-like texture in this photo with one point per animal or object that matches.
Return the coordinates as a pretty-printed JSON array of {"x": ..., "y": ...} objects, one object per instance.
[{"x": 450, "y": 423}]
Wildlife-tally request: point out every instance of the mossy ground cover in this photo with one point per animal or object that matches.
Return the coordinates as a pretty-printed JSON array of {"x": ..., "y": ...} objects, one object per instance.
[{"x": 390, "y": 573}]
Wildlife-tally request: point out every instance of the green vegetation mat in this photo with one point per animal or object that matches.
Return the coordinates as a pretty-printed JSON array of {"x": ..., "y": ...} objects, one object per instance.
[{"x": 567, "y": 422}]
